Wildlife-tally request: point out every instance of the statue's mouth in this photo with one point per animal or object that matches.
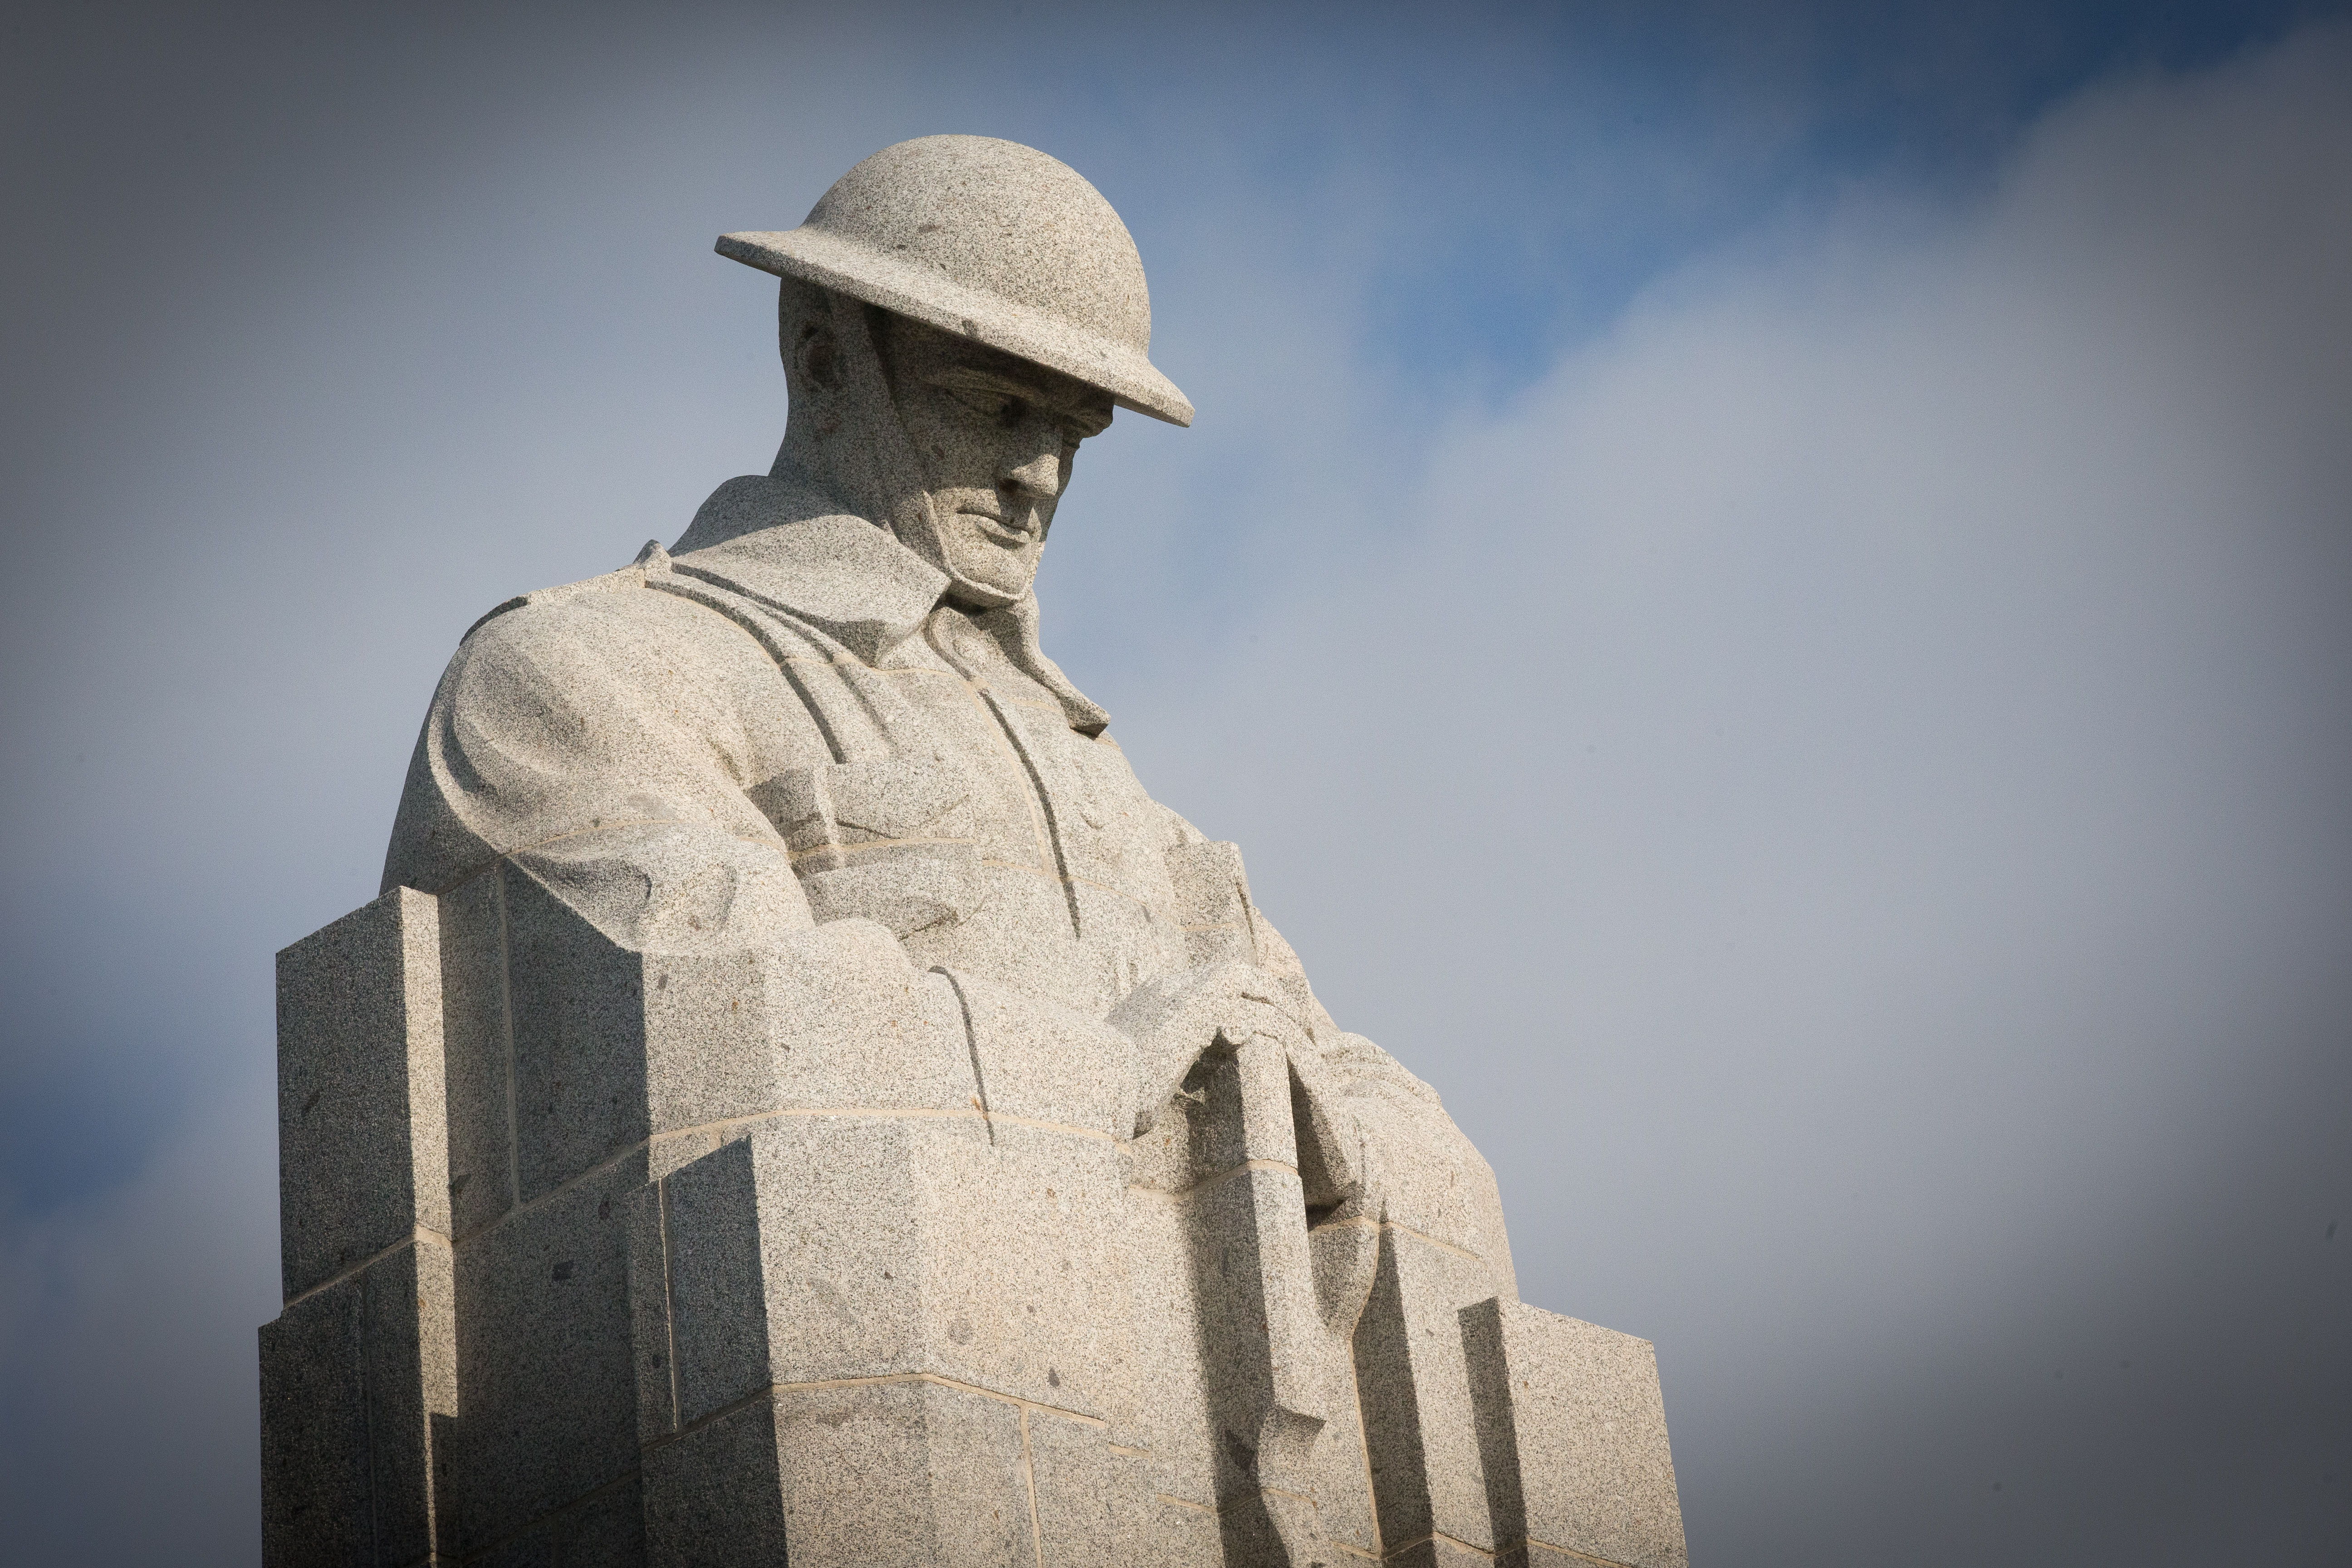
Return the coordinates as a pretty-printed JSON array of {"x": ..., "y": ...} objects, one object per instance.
[{"x": 998, "y": 530}]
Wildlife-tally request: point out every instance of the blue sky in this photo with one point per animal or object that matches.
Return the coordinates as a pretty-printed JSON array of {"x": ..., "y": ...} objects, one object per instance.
[{"x": 1761, "y": 587}]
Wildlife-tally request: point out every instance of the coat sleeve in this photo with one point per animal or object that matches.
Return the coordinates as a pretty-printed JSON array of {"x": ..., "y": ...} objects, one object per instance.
[
  {"x": 1430, "y": 1178},
  {"x": 597, "y": 737}
]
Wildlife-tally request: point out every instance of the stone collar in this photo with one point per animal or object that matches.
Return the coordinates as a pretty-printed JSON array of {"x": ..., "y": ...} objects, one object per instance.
[{"x": 787, "y": 545}]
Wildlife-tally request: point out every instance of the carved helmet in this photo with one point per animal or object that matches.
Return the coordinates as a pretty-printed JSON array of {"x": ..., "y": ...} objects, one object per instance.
[{"x": 991, "y": 240}]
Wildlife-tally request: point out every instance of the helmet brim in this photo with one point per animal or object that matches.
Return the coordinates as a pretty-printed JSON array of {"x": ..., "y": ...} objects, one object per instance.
[{"x": 921, "y": 292}]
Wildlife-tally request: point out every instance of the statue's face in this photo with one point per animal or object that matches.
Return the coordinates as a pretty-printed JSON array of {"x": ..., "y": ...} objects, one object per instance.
[{"x": 995, "y": 436}]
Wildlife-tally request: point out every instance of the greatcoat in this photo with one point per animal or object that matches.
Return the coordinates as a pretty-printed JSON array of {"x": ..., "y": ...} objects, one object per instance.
[{"x": 781, "y": 743}]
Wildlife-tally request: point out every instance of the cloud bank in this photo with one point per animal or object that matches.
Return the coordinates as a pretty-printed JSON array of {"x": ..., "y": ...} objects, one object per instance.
[
  {"x": 1835, "y": 768},
  {"x": 1842, "y": 785}
]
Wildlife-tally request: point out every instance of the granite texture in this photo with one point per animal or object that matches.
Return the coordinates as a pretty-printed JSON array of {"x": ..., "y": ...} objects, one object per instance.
[
  {"x": 800, "y": 1097},
  {"x": 476, "y": 1074},
  {"x": 1427, "y": 1469},
  {"x": 604, "y": 1530},
  {"x": 993, "y": 240},
  {"x": 363, "y": 1140},
  {"x": 576, "y": 1010},
  {"x": 547, "y": 1394},
  {"x": 825, "y": 1249},
  {"x": 358, "y": 1388},
  {"x": 1440, "y": 1552},
  {"x": 359, "y": 1374},
  {"x": 1573, "y": 1427},
  {"x": 715, "y": 1494}
]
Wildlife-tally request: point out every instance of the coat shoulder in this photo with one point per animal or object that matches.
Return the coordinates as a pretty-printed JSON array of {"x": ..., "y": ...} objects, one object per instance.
[{"x": 624, "y": 619}]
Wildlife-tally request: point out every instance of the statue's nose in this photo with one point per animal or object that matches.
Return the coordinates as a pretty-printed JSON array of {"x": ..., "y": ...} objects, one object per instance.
[{"x": 1039, "y": 475}]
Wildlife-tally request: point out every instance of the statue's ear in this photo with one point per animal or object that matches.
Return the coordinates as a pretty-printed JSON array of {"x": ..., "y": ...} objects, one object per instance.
[
  {"x": 805, "y": 333},
  {"x": 818, "y": 358}
]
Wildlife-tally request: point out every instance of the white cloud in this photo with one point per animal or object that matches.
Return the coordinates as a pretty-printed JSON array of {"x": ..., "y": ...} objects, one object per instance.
[{"x": 1842, "y": 783}]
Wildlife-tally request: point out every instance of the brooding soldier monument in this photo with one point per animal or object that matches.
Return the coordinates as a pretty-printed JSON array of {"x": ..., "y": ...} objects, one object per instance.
[{"x": 798, "y": 1098}]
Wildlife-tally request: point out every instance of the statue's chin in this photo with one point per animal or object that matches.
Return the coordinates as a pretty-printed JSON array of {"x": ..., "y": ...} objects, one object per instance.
[
  {"x": 962, "y": 590},
  {"x": 987, "y": 576}
]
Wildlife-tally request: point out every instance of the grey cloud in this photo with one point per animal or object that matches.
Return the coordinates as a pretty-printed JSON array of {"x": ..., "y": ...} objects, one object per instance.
[
  {"x": 1833, "y": 783},
  {"x": 1842, "y": 785}
]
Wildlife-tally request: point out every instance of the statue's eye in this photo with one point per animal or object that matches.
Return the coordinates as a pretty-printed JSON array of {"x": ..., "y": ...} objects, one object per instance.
[{"x": 994, "y": 406}]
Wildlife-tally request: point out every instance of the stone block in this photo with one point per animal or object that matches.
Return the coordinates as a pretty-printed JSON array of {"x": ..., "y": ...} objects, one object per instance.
[
  {"x": 604, "y": 1530},
  {"x": 715, "y": 1297},
  {"x": 1573, "y": 1432},
  {"x": 1213, "y": 902},
  {"x": 855, "y": 1024},
  {"x": 1439, "y": 1552},
  {"x": 1431, "y": 1179},
  {"x": 1536, "y": 1554},
  {"x": 1032, "y": 1263},
  {"x": 1183, "y": 1535},
  {"x": 796, "y": 1254},
  {"x": 576, "y": 1013},
  {"x": 947, "y": 1294},
  {"x": 1131, "y": 1500},
  {"x": 362, "y": 1139},
  {"x": 612, "y": 1047},
  {"x": 547, "y": 1373},
  {"x": 711, "y": 1037},
  {"x": 1161, "y": 1414},
  {"x": 715, "y": 1494},
  {"x": 1085, "y": 1498},
  {"x": 1028, "y": 1057},
  {"x": 904, "y": 1472},
  {"x": 830, "y": 1247},
  {"x": 1414, "y": 1384},
  {"x": 358, "y": 1385},
  {"x": 899, "y": 1471},
  {"x": 476, "y": 1058}
]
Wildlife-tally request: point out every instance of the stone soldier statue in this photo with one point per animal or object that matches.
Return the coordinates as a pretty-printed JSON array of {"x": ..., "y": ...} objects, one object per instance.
[{"x": 800, "y": 1098}]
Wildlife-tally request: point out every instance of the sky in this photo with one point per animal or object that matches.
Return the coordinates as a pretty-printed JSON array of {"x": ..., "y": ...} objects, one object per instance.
[{"x": 1762, "y": 587}]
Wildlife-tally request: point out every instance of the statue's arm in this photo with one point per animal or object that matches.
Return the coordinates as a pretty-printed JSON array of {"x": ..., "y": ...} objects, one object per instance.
[
  {"x": 1352, "y": 1055},
  {"x": 601, "y": 741},
  {"x": 1429, "y": 1176}
]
